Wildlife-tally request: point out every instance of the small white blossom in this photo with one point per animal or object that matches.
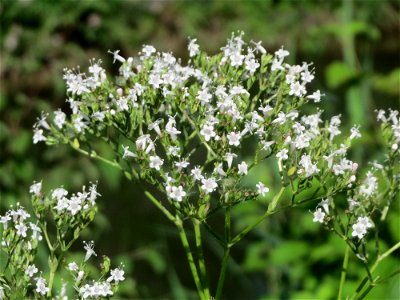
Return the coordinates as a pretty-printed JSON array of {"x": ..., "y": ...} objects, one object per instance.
[
  {"x": 127, "y": 152},
  {"x": 261, "y": 189},
  {"x": 31, "y": 270},
  {"x": 193, "y": 47},
  {"x": 242, "y": 168},
  {"x": 59, "y": 118},
  {"x": 316, "y": 96},
  {"x": 117, "y": 275},
  {"x": 41, "y": 287},
  {"x": 208, "y": 132},
  {"x": 59, "y": 193},
  {"x": 156, "y": 162},
  {"x": 319, "y": 215},
  {"x": 36, "y": 188},
  {"x": 229, "y": 158},
  {"x": 196, "y": 172},
  {"x": 234, "y": 138},
  {"x": 38, "y": 135},
  {"x": 73, "y": 266},
  {"x": 209, "y": 185},
  {"x": 355, "y": 133},
  {"x": 89, "y": 247},
  {"x": 282, "y": 155}
]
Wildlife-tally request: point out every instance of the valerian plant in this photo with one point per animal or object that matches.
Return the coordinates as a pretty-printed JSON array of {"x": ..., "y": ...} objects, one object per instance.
[
  {"x": 57, "y": 221},
  {"x": 180, "y": 129}
]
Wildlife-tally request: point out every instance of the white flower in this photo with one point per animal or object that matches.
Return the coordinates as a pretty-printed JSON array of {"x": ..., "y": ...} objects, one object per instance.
[
  {"x": 325, "y": 205},
  {"x": 59, "y": 118},
  {"x": 79, "y": 124},
  {"x": 307, "y": 76},
  {"x": 209, "y": 185},
  {"x": 171, "y": 129},
  {"x": 297, "y": 89},
  {"x": 176, "y": 193},
  {"x": 127, "y": 152},
  {"x": 74, "y": 205},
  {"x": 204, "y": 96},
  {"x": 21, "y": 229},
  {"x": 4, "y": 219},
  {"x": 148, "y": 50},
  {"x": 155, "y": 80},
  {"x": 38, "y": 135},
  {"x": 282, "y": 155},
  {"x": 31, "y": 270},
  {"x": 193, "y": 47},
  {"x": 352, "y": 204},
  {"x": 234, "y": 138},
  {"x": 369, "y": 186},
  {"x": 89, "y": 247},
  {"x": 366, "y": 222},
  {"x": 251, "y": 65},
  {"x": 242, "y": 168},
  {"x": 281, "y": 53},
  {"x": 316, "y": 96},
  {"x": 59, "y": 193},
  {"x": 62, "y": 204},
  {"x": 236, "y": 59},
  {"x": 173, "y": 151},
  {"x": 208, "y": 132},
  {"x": 261, "y": 189},
  {"x": 41, "y": 286},
  {"x": 182, "y": 164},
  {"x": 117, "y": 275},
  {"x": 196, "y": 172},
  {"x": 36, "y": 188},
  {"x": 36, "y": 232},
  {"x": 99, "y": 115},
  {"x": 156, "y": 162},
  {"x": 219, "y": 170},
  {"x": 116, "y": 56},
  {"x": 319, "y": 215},
  {"x": 73, "y": 266},
  {"x": 355, "y": 133},
  {"x": 359, "y": 230},
  {"x": 307, "y": 166},
  {"x": 229, "y": 158}
]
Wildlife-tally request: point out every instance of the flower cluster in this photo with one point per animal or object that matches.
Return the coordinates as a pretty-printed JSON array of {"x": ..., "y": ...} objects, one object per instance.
[
  {"x": 183, "y": 128},
  {"x": 90, "y": 289},
  {"x": 20, "y": 238}
]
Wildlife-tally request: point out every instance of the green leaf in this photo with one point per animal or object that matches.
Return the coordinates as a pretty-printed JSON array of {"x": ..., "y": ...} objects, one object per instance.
[{"x": 339, "y": 73}]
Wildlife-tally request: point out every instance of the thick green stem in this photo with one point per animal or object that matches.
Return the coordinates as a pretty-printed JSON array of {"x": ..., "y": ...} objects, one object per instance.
[
  {"x": 200, "y": 256},
  {"x": 344, "y": 271},
  {"x": 193, "y": 268},
  {"x": 227, "y": 249},
  {"x": 54, "y": 262},
  {"x": 221, "y": 278}
]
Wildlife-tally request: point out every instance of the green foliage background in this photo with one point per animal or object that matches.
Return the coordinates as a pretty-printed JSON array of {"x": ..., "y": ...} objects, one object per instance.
[{"x": 355, "y": 48}]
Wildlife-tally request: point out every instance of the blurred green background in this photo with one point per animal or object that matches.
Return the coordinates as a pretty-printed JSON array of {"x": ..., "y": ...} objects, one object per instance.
[{"x": 355, "y": 48}]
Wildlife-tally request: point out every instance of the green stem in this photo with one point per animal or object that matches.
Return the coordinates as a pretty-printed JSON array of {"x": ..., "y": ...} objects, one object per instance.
[
  {"x": 200, "y": 255},
  {"x": 344, "y": 271},
  {"x": 368, "y": 277},
  {"x": 270, "y": 211},
  {"x": 227, "y": 249},
  {"x": 193, "y": 268},
  {"x": 223, "y": 272},
  {"x": 54, "y": 262}
]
